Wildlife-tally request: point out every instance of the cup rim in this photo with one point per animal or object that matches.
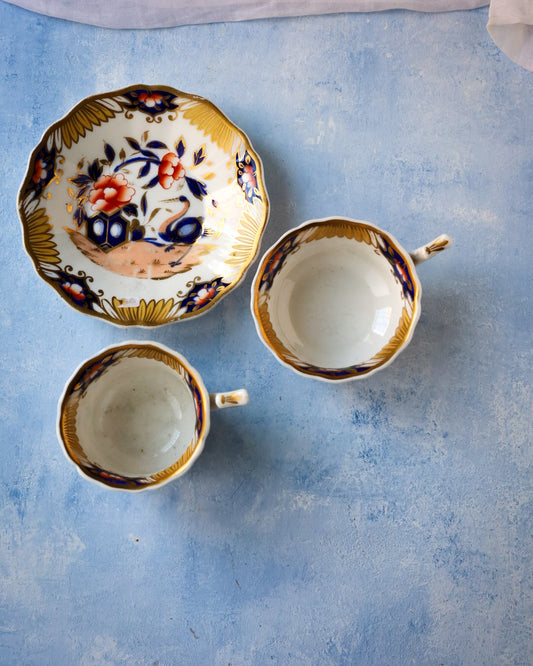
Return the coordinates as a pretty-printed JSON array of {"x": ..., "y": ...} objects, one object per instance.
[
  {"x": 110, "y": 480},
  {"x": 312, "y": 371}
]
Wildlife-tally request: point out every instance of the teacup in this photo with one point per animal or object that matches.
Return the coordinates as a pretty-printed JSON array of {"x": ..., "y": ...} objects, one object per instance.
[
  {"x": 136, "y": 416},
  {"x": 338, "y": 299}
]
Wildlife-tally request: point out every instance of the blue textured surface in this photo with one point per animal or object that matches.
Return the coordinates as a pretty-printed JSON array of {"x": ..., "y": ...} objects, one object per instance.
[{"x": 386, "y": 521}]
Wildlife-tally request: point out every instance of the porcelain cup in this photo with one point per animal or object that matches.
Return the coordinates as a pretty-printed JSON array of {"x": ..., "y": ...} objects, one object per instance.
[
  {"x": 136, "y": 416},
  {"x": 338, "y": 299}
]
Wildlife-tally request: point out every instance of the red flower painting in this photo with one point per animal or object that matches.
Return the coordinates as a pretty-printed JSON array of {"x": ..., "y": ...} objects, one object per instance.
[
  {"x": 170, "y": 170},
  {"x": 150, "y": 99},
  {"x": 110, "y": 193},
  {"x": 40, "y": 171}
]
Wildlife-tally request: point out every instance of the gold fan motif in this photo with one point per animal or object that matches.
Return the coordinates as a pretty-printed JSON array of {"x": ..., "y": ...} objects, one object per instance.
[
  {"x": 203, "y": 115},
  {"x": 152, "y": 313},
  {"x": 358, "y": 232},
  {"x": 39, "y": 237},
  {"x": 246, "y": 242},
  {"x": 83, "y": 118},
  {"x": 69, "y": 418},
  {"x": 69, "y": 432},
  {"x": 97, "y": 140},
  {"x": 397, "y": 340}
]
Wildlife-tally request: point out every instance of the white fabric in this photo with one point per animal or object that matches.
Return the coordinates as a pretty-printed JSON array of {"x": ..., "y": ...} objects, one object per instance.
[
  {"x": 510, "y": 21},
  {"x": 167, "y": 13},
  {"x": 511, "y": 27}
]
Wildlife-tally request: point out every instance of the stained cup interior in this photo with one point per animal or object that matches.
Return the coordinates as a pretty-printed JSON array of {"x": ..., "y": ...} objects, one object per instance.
[
  {"x": 137, "y": 418},
  {"x": 334, "y": 297},
  {"x": 130, "y": 415}
]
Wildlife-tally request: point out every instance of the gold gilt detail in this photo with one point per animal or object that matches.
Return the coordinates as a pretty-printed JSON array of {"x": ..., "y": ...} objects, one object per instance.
[
  {"x": 337, "y": 228},
  {"x": 207, "y": 118},
  {"x": 232, "y": 399},
  {"x": 247, "y": 240},
  {"x": 271, "y": 335},
  {"x": 151, "y": 313},
  {"x": 39, "y": 237},
  {"x": 82, "y": 119},
  {"x": 69, "y": 432},
  {"x": 155, "y": 354},
  {"x": 393, "y": 345},
  {"x": 438, "y": 245}
]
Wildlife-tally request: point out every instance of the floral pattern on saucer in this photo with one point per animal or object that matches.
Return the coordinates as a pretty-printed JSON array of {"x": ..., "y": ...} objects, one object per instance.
[
  {"x": 133, "y": 198},
  {"x": 117, "y": 233}
]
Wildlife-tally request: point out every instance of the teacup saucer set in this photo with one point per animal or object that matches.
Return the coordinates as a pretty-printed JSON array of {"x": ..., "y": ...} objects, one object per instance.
[{"x": 145, "y": 206}]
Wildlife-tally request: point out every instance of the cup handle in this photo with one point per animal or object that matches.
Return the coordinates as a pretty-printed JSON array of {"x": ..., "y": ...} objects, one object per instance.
[
  {"x": 430, "y": 249},
  {"x": 229, "y": 399}
]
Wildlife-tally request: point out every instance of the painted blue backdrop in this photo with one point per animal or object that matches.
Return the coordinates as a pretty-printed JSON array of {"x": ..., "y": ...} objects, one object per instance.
[{"x": 386, "y": 521}]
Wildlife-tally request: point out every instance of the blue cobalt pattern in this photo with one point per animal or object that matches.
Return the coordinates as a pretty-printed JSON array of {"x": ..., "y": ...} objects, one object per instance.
[
  {"x": 117, "y": 219},
  {"x": 152, "y": 102},
  {"x": 139, "y": 208},
  {"x": 276, "y": 262},
  {"x": 43, "y": 171},
  {"x": 247, "y": 176},
  {"x": 383, "y": 523},
  {"x": 92, "y": 371},
  {"x": 201, "y": 293},
  {"x": 76, "y": 287},
  {"x": 400, "y": 268},
  {"x": 357, "y": 232}
]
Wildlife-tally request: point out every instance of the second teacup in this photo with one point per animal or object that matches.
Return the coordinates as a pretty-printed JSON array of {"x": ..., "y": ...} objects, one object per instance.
[
  {"x": 136, "y": 416},
  {"x": 337, "y": 299}
]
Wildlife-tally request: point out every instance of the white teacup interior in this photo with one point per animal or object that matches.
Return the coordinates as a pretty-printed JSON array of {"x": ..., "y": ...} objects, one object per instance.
[
  {"x": 335, "y": 302},
  {"x": 136, "y": 418}
]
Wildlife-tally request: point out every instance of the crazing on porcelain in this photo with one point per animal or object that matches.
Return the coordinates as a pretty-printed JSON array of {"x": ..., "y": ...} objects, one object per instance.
[{"x": 147, "y": 184}]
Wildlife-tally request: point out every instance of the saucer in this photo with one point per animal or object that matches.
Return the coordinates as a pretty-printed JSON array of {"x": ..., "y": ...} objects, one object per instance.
[{"x": 143, "y": 206}]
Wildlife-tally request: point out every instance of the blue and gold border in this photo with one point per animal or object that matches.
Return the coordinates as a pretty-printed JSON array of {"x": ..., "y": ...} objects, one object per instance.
[
  {"x": 93, "y": 368},
  {"x": 46, "y": 162},
  {"x": 383, "y": 243}
]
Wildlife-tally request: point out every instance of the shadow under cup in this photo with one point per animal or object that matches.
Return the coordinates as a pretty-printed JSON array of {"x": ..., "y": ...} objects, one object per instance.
[
  {"x": 134, "y": 417},
  {"x": 336, "y": 299}
]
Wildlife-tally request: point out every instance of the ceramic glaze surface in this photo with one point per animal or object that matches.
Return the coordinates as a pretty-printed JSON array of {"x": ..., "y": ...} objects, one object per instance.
[
  {"x": 334, "y": 305},
  {"x": 143, "y": 206},
  {"x": 384, "y": 522},
  {"x": 336, "y": 299},
  {"x": 137, "y": 419},
  {"x": 135, "y": 416}
]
